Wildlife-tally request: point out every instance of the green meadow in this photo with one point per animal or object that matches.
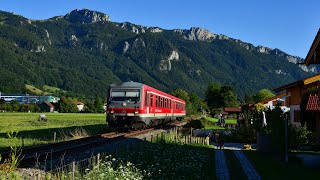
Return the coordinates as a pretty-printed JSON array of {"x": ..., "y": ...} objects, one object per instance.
[{"x": 32, "y": 132}]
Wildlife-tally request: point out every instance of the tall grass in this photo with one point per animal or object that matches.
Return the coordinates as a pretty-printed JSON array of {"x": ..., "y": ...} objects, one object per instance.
[
  {"x": 33, "y": 132},
  {"x": 165, "y": 158}
]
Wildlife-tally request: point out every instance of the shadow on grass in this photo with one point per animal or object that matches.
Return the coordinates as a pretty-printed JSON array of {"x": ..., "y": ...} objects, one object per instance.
[
  {"x": 171, "y": 160},
  {"x": 45, "y": 136},
  {"x": 271, "y": 167}
]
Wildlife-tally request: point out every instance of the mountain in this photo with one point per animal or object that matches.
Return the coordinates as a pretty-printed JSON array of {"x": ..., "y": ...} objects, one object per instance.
[{"x": 83, "y": 52}]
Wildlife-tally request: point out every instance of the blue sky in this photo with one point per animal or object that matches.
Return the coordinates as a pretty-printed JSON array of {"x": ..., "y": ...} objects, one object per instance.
[{"x": 289, "y": 25}]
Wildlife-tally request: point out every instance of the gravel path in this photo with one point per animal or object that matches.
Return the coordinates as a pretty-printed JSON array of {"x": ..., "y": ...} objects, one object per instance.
[
  {"x": 247, "y": 166},
  {"x": 222, "y": 171}
]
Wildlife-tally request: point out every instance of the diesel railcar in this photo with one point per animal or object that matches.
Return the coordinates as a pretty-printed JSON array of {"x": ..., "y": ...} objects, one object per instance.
[{"x": 135, "y": 105}]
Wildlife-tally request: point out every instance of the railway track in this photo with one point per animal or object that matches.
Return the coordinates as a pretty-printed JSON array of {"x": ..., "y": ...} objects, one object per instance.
[
  {"x": 30, "y": 156},
  {"x": 73, "y": 149}
]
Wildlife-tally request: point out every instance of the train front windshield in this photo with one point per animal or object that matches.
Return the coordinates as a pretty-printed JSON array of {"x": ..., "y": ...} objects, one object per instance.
[{"x": 125, "y": 95}]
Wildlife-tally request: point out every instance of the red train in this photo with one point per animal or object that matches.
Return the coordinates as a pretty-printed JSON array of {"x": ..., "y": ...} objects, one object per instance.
[{"x": 136, "y": 105}]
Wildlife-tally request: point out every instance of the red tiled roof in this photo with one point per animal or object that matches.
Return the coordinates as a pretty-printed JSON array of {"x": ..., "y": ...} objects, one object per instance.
[
  {"x": 78, "y": 103},
  {"x": 232, "y": 109},
  {"x": 49, "y": 104},
  {"x": 313, "y": 103}
]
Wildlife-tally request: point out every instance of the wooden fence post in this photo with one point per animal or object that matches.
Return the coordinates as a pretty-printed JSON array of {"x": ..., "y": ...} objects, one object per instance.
[
  {"x": 54, "y": 136},
  {"x": 73, "y": 169},
  {"x": 98, "y": 160}
]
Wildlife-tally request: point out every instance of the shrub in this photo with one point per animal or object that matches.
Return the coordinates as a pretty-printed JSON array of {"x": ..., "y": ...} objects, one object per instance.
[
  {"x": 242, "y": 134},
  {"x": 299, "y": 135},
  {"x": 196, "y": 124}
]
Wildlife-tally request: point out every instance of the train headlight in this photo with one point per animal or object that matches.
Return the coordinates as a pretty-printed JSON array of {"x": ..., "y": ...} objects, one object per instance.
[
  {"x": 136, "y": 112},
  {"x": 111, "y": 111}
]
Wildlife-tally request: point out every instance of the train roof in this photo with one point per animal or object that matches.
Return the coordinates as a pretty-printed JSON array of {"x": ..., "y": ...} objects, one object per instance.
[
  {"x": 139, "y": 85},
  {"x": 127, "y": 84}
]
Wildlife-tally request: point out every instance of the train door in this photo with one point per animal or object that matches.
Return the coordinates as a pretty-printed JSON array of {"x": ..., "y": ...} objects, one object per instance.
[
  {"x": 151, "y": 109},
  {"x": 147, "y": 103},
  {"x": 173, "y": 108}
]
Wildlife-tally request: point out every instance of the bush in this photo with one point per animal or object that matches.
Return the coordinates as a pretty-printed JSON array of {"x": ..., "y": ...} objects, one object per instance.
[
  {"x": 242, "y": 134},
  {"x": 299, "y": 135},
  {"x": 196, "y": 124}
]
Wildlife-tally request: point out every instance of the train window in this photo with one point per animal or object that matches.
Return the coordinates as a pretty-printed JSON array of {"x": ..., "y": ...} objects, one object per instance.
[
  {"x": 151, "y": 100},
  {"x": 165, "y": 103},
  {"x": 161, "y": 102},
  {"x": 125, "y": 95},
  {"x": 146, "y": 99},
  {"x": 157, "y": 101}
]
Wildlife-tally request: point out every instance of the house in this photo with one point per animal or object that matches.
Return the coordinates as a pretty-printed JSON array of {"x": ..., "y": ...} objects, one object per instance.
[
  {"x": 313, "y": 57},
  {"x": 273, "y": 101},
  {"x": 28, "y": 99},
  {"x": 293, "y": 93},
  {"x": 79, "y": 104},
  {"x": 47, "y": 107}
]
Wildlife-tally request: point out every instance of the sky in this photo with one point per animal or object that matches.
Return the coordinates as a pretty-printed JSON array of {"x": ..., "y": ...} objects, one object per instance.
[{"x": 289, "y": 25}]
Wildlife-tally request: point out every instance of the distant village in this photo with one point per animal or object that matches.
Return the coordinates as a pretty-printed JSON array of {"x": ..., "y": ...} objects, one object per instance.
[{"x": 44, "y": 103}]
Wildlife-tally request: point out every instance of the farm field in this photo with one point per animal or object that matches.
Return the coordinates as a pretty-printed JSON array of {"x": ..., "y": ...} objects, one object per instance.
[{"x": 34, "y": 132}]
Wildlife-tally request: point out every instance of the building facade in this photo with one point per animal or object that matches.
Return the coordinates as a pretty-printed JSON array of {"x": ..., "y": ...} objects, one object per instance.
[{"x": 28, "y": 99}]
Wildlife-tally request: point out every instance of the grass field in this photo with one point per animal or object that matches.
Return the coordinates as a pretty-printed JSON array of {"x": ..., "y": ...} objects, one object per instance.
[
  {"x": 227, "y": 121},
  {"x": 34, "y": 132},
  {"x": 212, "y": 125},
  {"x": 270, "y": 167}
]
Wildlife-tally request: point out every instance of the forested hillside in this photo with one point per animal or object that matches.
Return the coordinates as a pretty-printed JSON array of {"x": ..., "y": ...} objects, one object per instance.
[{"x": 84, "y": 52}]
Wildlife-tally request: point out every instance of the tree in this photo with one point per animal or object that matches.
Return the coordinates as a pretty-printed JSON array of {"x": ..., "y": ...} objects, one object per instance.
[
  {"x": 14, "y": 105},
  {"x": 263, "y": 94},
  {"x": 218, "y": 97},
  {"x": 98, "y": 105},
  {"x": 213, "y": 95},
  {"x": 182, "y": 94},
  {"x": 89, "y": 107},
  {"x": 2, "y": 101},
  {"x": 66, "y": 106},
  {"x": 248, "y": 99},
  {"x": 228, "y": 96},
  {"x": 277, "y": 130}
]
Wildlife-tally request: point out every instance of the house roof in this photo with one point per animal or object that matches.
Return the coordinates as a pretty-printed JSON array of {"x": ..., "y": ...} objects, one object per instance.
[
  {"x": 49, "y": 104},
  {"x": 301, "y": 83},
  {"x": 232, "y": 109},
  {"x": 273, "y": 98},
  {"x": 313, "y": 56},
  {"x": 78, "y": 103}
]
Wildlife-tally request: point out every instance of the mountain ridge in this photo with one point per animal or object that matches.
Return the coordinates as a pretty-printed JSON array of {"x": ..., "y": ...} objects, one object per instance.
[{"x": 84, "y": 51}]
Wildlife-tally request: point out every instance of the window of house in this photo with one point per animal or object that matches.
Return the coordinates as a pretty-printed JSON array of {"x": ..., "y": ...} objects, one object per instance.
[{"x": 297, "y": 116}]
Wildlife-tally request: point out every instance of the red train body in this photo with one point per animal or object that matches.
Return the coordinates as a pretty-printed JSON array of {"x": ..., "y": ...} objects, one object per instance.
[{"x": 136, "y": 105}]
